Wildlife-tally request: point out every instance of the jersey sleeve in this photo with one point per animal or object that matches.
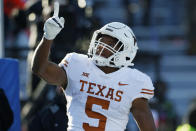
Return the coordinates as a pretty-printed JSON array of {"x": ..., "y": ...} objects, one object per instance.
[
  {"x": 66, "y": 63},
  {"x": 146, "y": 89}
]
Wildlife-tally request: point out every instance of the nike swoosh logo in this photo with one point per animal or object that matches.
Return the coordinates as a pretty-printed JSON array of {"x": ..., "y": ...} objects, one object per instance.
[{"x": 122, "y": 84}]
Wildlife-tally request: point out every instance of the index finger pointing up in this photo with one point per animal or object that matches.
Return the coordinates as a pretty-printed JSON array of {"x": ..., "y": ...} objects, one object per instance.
[{"x": 56, "y": 9}]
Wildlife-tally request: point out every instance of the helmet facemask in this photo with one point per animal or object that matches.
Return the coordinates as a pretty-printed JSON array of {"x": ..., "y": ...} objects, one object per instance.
[{"x": 105, "y": 59}]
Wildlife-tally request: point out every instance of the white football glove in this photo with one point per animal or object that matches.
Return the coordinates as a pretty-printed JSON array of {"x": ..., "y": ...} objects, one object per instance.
[{"x": 54, "y": 24}]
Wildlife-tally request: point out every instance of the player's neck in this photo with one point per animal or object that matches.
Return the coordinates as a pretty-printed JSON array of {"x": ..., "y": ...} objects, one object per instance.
[{"x": 107, "y": 69}]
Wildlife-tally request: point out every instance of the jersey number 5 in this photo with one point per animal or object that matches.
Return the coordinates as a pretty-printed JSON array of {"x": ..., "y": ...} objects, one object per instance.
[{"x": 102, "y": 119}]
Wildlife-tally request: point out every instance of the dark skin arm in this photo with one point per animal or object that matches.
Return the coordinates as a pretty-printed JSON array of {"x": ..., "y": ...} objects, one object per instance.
[
  {"x": 46, "y": 69},
  {"x": 142, "y": 115}
]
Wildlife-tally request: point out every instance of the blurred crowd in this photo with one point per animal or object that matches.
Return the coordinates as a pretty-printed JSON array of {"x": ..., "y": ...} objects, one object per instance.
[{"x": 43, "y": 106}]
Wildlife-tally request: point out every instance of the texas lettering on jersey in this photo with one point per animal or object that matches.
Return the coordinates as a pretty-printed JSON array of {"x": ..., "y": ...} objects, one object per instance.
[{"x": 91, "y": 88}]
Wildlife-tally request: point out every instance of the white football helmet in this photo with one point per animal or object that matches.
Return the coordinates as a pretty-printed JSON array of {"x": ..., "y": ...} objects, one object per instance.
[{"x": 124, "y": 55}]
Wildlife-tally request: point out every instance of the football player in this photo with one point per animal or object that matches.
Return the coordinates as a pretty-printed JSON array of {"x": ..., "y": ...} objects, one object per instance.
[{"x": 100, "y": 88}]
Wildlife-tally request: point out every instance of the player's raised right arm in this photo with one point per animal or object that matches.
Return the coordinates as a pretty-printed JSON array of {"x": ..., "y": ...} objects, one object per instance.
[{"x": 41, "y": 65}]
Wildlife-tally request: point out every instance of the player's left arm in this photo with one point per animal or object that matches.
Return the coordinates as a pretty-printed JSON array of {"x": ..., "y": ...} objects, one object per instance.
[{"x": 143, "y": 115}]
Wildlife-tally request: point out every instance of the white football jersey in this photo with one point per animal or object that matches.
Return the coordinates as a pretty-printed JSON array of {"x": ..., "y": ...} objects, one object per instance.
[{"x": 101, "y": 102}]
